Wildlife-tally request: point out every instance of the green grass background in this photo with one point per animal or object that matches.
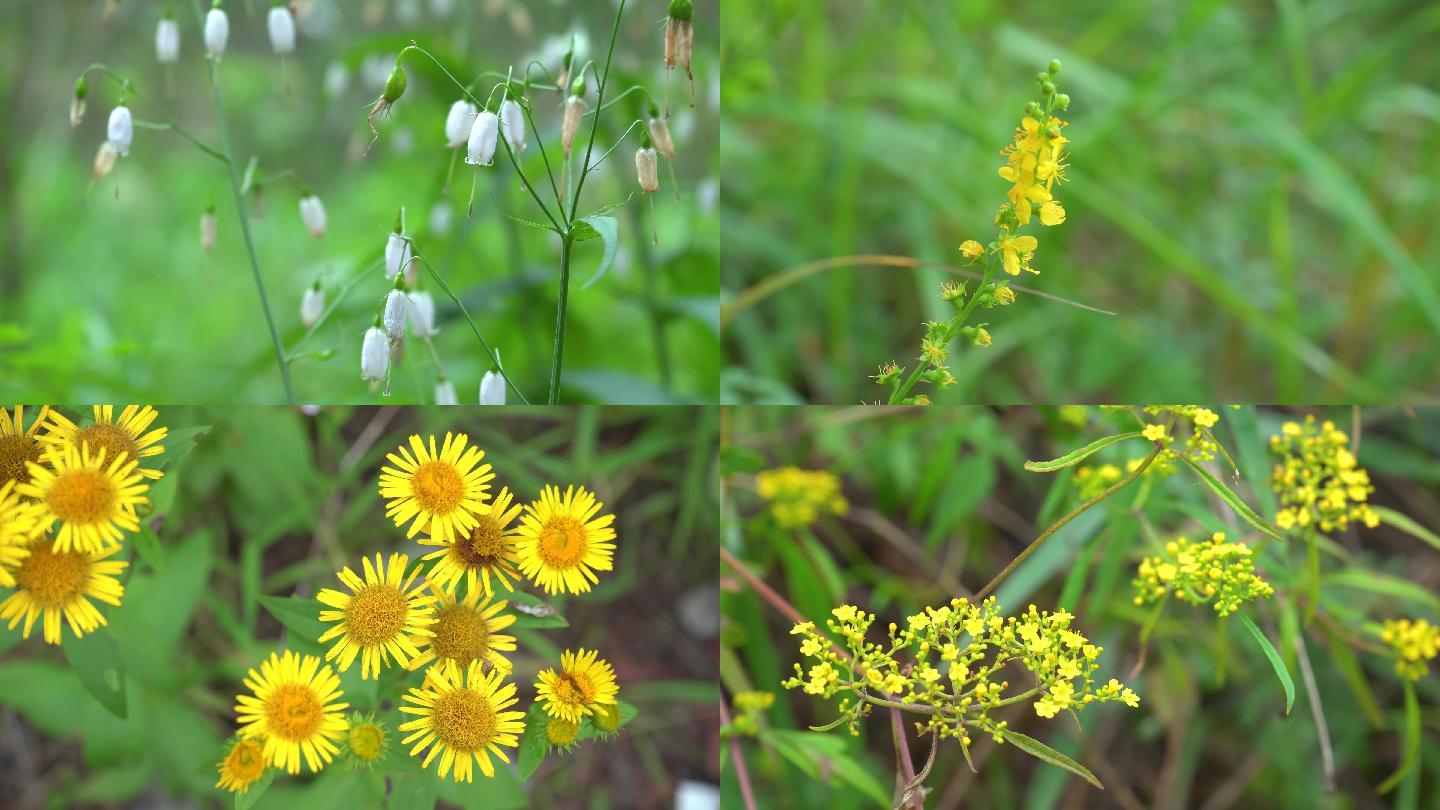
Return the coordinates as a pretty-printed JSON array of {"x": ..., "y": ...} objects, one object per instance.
[
  {"x": 1253, "y": 187},
  {"x": 105, "y": 298}
]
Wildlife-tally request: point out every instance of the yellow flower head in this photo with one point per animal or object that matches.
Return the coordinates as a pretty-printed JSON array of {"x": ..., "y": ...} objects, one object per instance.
[
  {"x": 291, "y": 710},
  {"x": 1155, "y": 433},
  {"x": 57, "y": 584},
  {"x": 437, "y": 491},
  {"x": 563, "y": 542},
  {"x": 379, "y": 618},
  {"x": 1015, "y": 252},
  {"x": 1415, "y": 643},
  {"x": 584, "y": 683},
  {"x": 93, "y": 500},
  {"x": 1217, "y": 572},
  {"x": 798, "y": 497},
  {"x": 484, "y": 550},
  {"x": 971, "y": 249},
  {"x": 1052, "y": 213},
  {"x": 125, "y": 437},
  {"x": 1318, "y": 480},
  {"x": 242, "y": 766},
  {"x": 463, "y": 720},
  {"x": 466, "y": 630},
  {"x": 19, "y": 524},
  {"x": 18, "y": 444}
]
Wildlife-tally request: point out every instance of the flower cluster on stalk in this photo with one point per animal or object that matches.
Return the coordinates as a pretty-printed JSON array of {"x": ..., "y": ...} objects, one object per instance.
[
  {"x": 1414, "y": 643},
  {"x": 1318, "y": 480},
  {"x": 799, "y": 497},
  {"x": 1217, "y": 572}
]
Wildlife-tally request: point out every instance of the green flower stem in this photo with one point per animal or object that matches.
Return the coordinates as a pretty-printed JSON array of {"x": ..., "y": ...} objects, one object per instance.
[
  {"x": 489, "y": 353},
  {"x": 166, "y": 123},
  {"x": 585, "y": 167},
  {"x": 557, "y": 356},
  {"x": 900, "y": 393}
]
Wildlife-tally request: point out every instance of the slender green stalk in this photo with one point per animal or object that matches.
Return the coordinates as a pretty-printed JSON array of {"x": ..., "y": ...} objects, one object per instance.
[
  {"x": 557, "y": 357},
  {"x": 900, "y": 393},
  {"x": 599, "y": 103},
  {"x": 489, "y": 353}
]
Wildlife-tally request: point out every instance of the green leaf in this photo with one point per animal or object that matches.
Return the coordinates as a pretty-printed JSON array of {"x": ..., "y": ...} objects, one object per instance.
[
  {"x": 95, "y": 657},
  {"x": 1275, "y": 661},
  {"x": 605, "y": 228},
  {"x": 532, "y": 611},
  {"x": 148, "y": 546},
  {"x": 1412, "y": 740},
  {"x": 412, "y": 791},
  {"x": 737, "y": 459},
  {"x": 1043, "y": 752},
  {"x": 533, "y": 743},
  {"x": 247, "y": 800},
  {"x": 300, "y": 616},
  {"x": 1233, "y": 501},
  {"x": 1076, "y": 456},
  {"x": 1385, "y": 585},
  {"x": 1406, "y": 524},
  {"x": 822, "y": 756}
]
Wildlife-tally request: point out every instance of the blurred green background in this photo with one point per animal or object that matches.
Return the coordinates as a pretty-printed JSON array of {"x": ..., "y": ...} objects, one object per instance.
[
  {"x": 1252, "y": 190},
  {"x": 940, "y": 502},
  {"x": 106, "y": 297},
  {"x": 271, "y": 503}
]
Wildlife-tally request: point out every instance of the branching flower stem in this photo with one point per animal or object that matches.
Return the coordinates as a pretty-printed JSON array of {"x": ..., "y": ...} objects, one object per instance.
[{"x": 899, "y": 394}]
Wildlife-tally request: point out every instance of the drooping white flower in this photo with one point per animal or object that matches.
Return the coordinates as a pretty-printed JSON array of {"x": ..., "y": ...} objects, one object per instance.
[
  {"x": 492, "y": 389},
  {"x": 646, "y": 167},
  {"x": 484, "y": 137},
  {"x": 120, "y": 130},
  {"x": 374, "y": 354},
  {"x": 217, "y": 31},
  {"x": 574, "y": 110},
  {"x": 207, "y": 229},
  {"x": 660, "y": 134},
  {"x": 422, "y": 313},
  {"x": 104, "y": 162},
  {"x": 397, "y": 255},
  {"x": 167, "y": 40},
  {"x": 512, "y": 122},
  {"x": 77, "y": 103},
  {"x": 445, "y": 393},
  {"x": 281, "y": 25},
  {"x": 312, "y": 213},
  {"x": 458, "y": 123},
  {"x": 397, "y": 303},
  {"x": 312, "y": 305}
]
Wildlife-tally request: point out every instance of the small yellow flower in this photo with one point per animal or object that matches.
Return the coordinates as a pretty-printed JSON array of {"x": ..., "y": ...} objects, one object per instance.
[
  {"x": 380, "y": 617},
  {"x": 1154, "y": 433},
  {"x": 59, "y": 584},
  {"x": 1205, "y": 417},
  {"x": 242, "y": 766},
  {"x": 440, "y": 491},
  {"x": 1015, "y": 251},
  {"x": 1415, "y": 643},
  {"x": 971, "y": 249},
  {"x": 465, "y": 719},
  {"x": 1052, "y": 213},
  {"x": 484, "y": 550},
  {"x": 19, "y": 444},
  {"x": 292, "y": 711},
  {"x": 94, "y": 501},
  {"x": 466, "y": 630},
  {"x": 584, "y": 683}
]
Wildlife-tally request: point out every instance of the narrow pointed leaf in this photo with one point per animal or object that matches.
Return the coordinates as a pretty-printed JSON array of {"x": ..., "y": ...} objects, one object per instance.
[
  {"x": 1274, "y": 657},
  {"x": 1076, "y": 456},
  {"x": 1043, "y": 752}
]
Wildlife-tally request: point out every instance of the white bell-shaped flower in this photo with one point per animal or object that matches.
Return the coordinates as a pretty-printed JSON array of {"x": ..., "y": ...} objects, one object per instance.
[
  {"x": 167, "y": 40},
  {"x": 484, "y": 137},
  {"x": 312, "y": 213},
  {"x": 374, "y": 354},
  {"x": 445, "y": 393},
  {"x": 458, "y": 123},
  {"x": 120, "y": 130},
  {"x": 281, "y": 25},
  {"x": 217, "y": 32},
  {"x": 512, "y": 122},
  {"x": 660, "y": 134},
  {"x": 397, "y": 255},
  {"x": 312, "y": 305},
  {"x": 397, "y": 304},
  {"x": 492, "y": 389},
  {"x": 574, "y": 110},
  {"x": 647, "y": 169},
  {"x": 422, "y": 313}
]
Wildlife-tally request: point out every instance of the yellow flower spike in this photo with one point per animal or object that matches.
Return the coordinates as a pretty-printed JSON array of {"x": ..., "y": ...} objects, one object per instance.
[
  {"x": 463, "y": 721},
  {"x": 125, "y": 436},
  {"x": 242, "y": 766},
  {"x": 379, "y": 619},
  {"x": 59, "y": 584},
  {"x": 19, "y": 444},
  {"x": 487, "y": 549},
  {"x": 93, "y": 499},
  {"x": 439, "y": 491},
  {"x": 563, "y": 542},
  {"x": 584, "y": 683},
  {"x": 292, "y": 711},
  {"x": 466, "y": 630}
]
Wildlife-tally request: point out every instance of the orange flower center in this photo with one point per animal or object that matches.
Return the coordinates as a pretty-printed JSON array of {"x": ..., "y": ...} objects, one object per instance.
[
  {"x": 438, "y": 487},
  {"x": 293, "y": 712},
  {"x": 465, "y": 720},
  {"x": 53, "y": 579},
  {"x": 563, "y": 542}
]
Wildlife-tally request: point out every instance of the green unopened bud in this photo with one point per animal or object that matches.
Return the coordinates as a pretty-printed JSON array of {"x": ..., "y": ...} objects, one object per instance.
[
  {"x": 1054, "y": 66},
  {"x": 607, "y": 718},
  {"x": 1004, "y": 296},
  {"x": 81, "y": 88},
  {"x": 682, "y": 10},
  {"x": 1041, "y": 78},
  {"x": 577, "y": 87},
  {"x": 1048, "y": 88},
  {"x": 396, "y": 84},
  {"x": 1063, "y": 101},
  {"x": 1032, "y": 109}
]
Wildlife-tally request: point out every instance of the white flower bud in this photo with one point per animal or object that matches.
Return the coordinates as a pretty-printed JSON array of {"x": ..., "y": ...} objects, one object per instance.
[
  {"x": 646, "y": 166},
  {"x": 374, "y": 354},
  {"x": 207, "y": 230},
  {"x": 445, "y": 393},
  {"x": 312, "y": 213},
  {"x": 458, "y": 123},
  {"x": 77, "y": 112},
  {"x": 492, "y": 389},
  {"x": 397, "y": 255},
  {"x": 120, "y": 130},
  {"x": 167, "y": 41},
  {"x": 422, "y": 313},
  {"x": 397, "y": 303},
  {"x": 660, "y": 134},
  {"x": 574, "y": 109},
  {"x": 312, "y": 305},
  {"x": 104, "y": 162},
  {"x": 281, "y": 25},
  {"x": 217, "y": 32},
  {"x": 484, "y": 137},
  {"x": 512, "y": 121}
]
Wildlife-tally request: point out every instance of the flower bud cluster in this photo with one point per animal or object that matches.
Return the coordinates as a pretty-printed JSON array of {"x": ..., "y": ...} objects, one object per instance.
[
  {"x": 1318, "y": 480},
  {"x": 798, "y": 497},
  {"x": 1415, "y": 643},
  {"x": 749, "y": 707},
  {"x": 1217, "y": 572}
]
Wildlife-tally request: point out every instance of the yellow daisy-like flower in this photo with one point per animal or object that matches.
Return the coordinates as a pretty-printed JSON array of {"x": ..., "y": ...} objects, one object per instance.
[
  {"x": 1014, "y": 252},
  {"x": 242, "y": 766},
  {"x": 463, "y": 720},
  {"x": 18, "y": 444},
  {"x": 291, "y": 709},
  {"x": 379, "y": 616},
  {"x": 19, "y": 524},
  {"x": 442, "y": 492},
  {"x": 584, "y": 684},
  {"x": 92, "y": 501},
  {"x": 464, "y": 631},
  {"x": 60, "y": 583},
  {"x": 124, "y": 437},
  {"x": 486, "y": 549},
  {"x": 562, "y": 543}
]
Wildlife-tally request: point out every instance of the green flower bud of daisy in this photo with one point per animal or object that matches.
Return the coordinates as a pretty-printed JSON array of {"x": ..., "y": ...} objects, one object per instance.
[
  {"x": 1054, "y": 66},
  {"x": 607, "y": 719},
  {"x": 395, "y": 85},
  {"x": 561, "y": 732},
  {"x": 1063, "y": 101},
  {"x": 682, "y": 10}
]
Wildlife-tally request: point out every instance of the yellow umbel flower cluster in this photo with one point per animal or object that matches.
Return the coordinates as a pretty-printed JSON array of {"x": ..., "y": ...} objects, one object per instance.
[
  {"x": 1318, "y": 480},
  {"x": 950, "y": 660},
  {"x": 1415, "y": 643},
  {"x": 69, "y": 495},
  {"x": 799, "y": 497},
  {"x": 749, "y": 708},
  {"x": 1183, "y": 431},
  {"x": 1217, "y": 572}
]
